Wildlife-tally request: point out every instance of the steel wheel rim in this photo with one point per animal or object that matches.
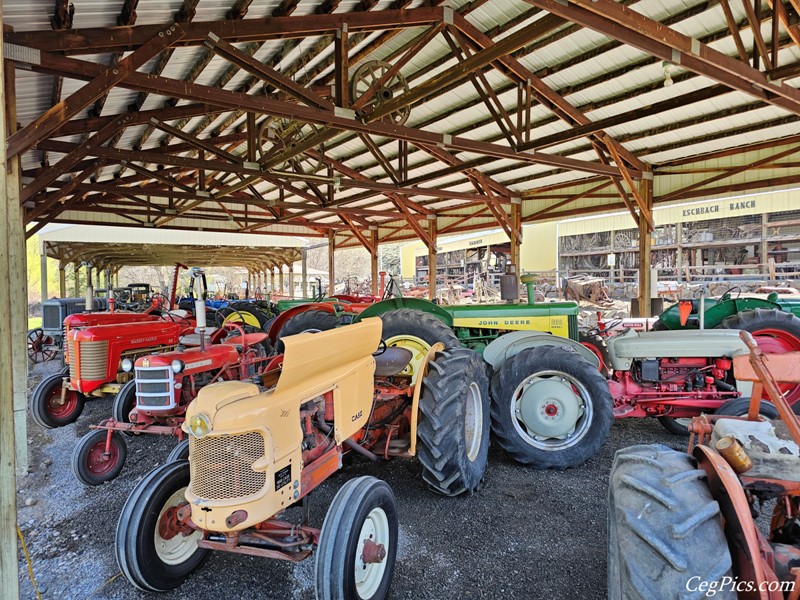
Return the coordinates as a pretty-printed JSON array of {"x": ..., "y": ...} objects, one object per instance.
[
  {"x": 524, "y": 400},
  {"x": 242, "y": 317},
  {"x": 473, "y": 421},
  {"x": 368, "y": 576},
  {"x": 419, "y": 350},
  {"x": 179, "y": 548},
  {"x": 61, "y": 411},
  {"x": 97, "y": 462},
  {"x": 596, "y": 351},
  {"x": 777, "y": 341}
]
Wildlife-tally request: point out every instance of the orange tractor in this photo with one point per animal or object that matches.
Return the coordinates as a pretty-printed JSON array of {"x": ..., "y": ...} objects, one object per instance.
[{"x": 685, "y": 525}]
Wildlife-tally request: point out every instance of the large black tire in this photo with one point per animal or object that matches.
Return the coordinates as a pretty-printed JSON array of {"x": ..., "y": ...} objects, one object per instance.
[
  {"x": 550, "y": 408},
  {"x": 179, "y": 452},
  {"x": 254, "y": 309},
  {"x": 679, "y": 426},
  {"x": 314, "y": 320},
  {"x": 664, "y": 529},
  {"x": 45, "y": 404},
  {"x": 776, "y": 331},
  {"x": 425, "y": 326},
  {"x": 91, "y": 464},
  {"x": 454, "y": 427},
  {"x": 596, "y": 344},
  {"x": 124, "y": 403},
  {"x": 741, "y": 406},
  {"x": 659, "y": 326},
  {"x": 367, "y": 506},
  {"x": 137, "y": 528}
]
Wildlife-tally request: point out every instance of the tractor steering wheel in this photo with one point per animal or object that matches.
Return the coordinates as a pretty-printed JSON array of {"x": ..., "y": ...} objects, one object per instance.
[
  {"x": 727, "y": 294},
  {"x": 176, "y": 318},
  {"x": 381, "y": 348}
]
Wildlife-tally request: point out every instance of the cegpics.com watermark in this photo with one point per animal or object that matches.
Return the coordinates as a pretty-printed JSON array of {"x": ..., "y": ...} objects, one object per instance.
[{"x": 734, "y": 584}]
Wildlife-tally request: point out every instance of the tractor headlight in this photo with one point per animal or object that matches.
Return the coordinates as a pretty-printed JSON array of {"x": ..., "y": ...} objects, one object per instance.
[
  {"x": 127, "y": 365},
  {"x": 199, "y": 425},
  {"x": 177, "y": 366}
]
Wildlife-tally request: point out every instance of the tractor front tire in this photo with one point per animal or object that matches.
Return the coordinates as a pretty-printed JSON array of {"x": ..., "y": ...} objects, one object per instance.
[
  {"x": 741, "y": 406},
  {"x": 46, "y": 407},
  {"x": 551, "y": 409},
  {"x": 124, "y": 403},
  {"x": 776, "y": 332},
  {"x": 91, "y": 464},
  {"x": 454, "y": 427},
  {"x": 676, "y": 426},
  {"x": 148, "y": 561},
  {"x": 665, "y": 531},
  {"x": 596, "y": 344},
  {"x": 179, "y": 452},
  {"x": 361, "y": 521},
  {"x": 310, "y": 320}
]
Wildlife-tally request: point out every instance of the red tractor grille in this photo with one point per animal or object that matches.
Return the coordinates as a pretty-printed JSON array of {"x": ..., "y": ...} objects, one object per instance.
[
  {"x": 221, "y": 465},
  {"x": 155, "y": 387}
]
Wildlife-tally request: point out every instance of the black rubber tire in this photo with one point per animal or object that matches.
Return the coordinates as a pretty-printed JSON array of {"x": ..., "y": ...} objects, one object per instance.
[
  {"x": 255, "y": 310},
  {"x": 674, "y": 426},
  {"x": 98, "y": 475},
  {"x": 339, "y": 543},
  {"x": 760, "y": 319},
  {"x": 659, "y": 326},
  {"x": 664, "y": 528},
  {"x": 425, "y": 326},
  {"x": 310, "y": 319},
  {"x": 506, "y": 427},
  {"x": 134, "y": 542},
  {"x": 741, "y": 406},
  {"x": 38, "y": 403},
  {"x": 179, "y": 452},
  {"x": 124, "y": 403},
  {"x": 453, "y": 457},
  {"x": 599, "y": 348}
]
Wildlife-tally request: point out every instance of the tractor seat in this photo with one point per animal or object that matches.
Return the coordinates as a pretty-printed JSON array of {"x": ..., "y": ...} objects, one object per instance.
[
  {"x": 774, "y": 454},
  {"x": 180, "y": 313},
  {"x": 392, "y": 361},
  {"x": 250, "y": 338},
  {"x": 193, "y": 339}
]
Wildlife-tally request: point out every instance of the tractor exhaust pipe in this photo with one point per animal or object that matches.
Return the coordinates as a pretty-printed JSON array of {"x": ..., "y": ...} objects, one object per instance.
[
  {"x": 703, "y": 311},
  {"x": 509, "y": 285},
  {"x": 200, "y": 316}
]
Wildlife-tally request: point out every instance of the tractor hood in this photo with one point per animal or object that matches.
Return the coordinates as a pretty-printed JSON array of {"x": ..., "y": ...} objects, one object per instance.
[
  {"x": 195, "y": 360},
  {"x": 106, "y": 318},
  {"x": 624, "y": 349}
]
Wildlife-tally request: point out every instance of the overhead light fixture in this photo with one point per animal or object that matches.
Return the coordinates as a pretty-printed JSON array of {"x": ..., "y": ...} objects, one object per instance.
[{"x": 667, "y": 66}]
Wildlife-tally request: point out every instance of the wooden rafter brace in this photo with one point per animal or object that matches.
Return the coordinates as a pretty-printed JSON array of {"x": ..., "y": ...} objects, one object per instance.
[
  {"x": 505, "y": 221},
  {"x": 47, "y": 203},
  {"x": 640, "y": 202},
  {"x": 371, "y": 248},
  {"x": 46, "y": 124}
]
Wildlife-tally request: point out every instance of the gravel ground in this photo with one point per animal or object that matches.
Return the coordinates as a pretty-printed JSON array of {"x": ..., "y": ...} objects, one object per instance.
[{"x": 524, "y": 534}]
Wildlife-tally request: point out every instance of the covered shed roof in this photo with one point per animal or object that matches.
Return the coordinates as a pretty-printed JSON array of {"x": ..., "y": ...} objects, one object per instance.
[{"x": 372, "y": 120}]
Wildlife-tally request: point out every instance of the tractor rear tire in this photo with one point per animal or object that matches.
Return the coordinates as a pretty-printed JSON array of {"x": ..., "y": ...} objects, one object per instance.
[
  {"x": 454, "y": 427},
  {"x": 44, "y": 406},
  {"x": 124, "y": 403},
  {"x": 741, "y": 406},
  {"x": 179, "y": 452},
  {"x": 91, "y": 465},
  {"x": 310, "y": 320},
  {"x": 425, "y": 326},
  {"x": 665, "y": 531},
  {"x": 596, "y": 344},
  {"x": 363, "y": 509},
  {"x": 551, "y": 409},
  {"x": 777, "y": 332},
  {"x": 659, "y": 326},
  {"x": 676, "y": 426},
  {"x": 254, "y": 309},
  {"x": 146, "y": 565}
]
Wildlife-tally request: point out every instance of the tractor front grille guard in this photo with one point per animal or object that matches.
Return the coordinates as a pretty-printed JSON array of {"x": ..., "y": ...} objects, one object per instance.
[
  {"x": 221, "y": 465},
  {"x": 155, "y": 388},
  {"x": 92, "y": 359}
]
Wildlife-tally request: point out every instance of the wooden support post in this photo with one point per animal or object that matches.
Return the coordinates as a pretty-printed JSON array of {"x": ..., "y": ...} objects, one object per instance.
[
  {"x": 108, "y": 284},
  {"x": 304, "y": 272},
  {"x": 516, "y": 232},
  {"x": 678, "y": 249},
  {"x": 62, "y": 281},
  {"x": 291, "y": 281},
  {"x": 280, "y": 279},
  {"x": 341, "y": 70},
  {"x": 272, "y": 280},
  {"x": 76, "y": 269},
  {"x": 331, "y": 263},
  {"x": 374, "y": 261},
  {"x": 646, "y": 192},
  {"x": 43, "y": 270},
  {"x": 432, "y": 259},
  {"x": 13, "y": 326},
  {"x": 764, "y": 258}
]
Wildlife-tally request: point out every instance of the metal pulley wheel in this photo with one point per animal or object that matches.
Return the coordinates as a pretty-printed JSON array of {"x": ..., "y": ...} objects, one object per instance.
[
  {"x": 275, "y": 136},
  {"x": 367, "y": 76}
]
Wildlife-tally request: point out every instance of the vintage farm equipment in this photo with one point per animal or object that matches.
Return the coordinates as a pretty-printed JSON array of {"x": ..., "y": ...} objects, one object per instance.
[
  {"x": 155, "y": 401},
  {"x": 685, "y": 523},
  {"x": 45, "y": 342},
  {"x": 259, "y": 449}
]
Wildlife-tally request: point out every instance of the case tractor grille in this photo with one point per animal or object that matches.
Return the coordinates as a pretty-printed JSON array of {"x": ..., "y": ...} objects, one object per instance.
[
  {"x": 221, "y": 465},
  {"x": 51, "y": 317},
  {"x": 155, "y": 387},
  {"x": 93, "y": 357}
]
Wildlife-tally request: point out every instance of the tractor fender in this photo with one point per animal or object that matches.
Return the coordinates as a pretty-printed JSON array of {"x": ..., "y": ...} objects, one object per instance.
[
  {"x": 280, "y": 320},
  {"x": 416, "y": 303},
  {"x": 509, "y": 344}
]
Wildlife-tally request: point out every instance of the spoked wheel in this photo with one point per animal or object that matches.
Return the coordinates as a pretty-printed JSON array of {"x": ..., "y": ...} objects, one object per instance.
[
  {"x": 550, "y": 408},
  {"x": 92, "y": 463},
  {"x": 776, "y": 332},
  {"x": 50, "y": 408},
  {"x": 358, "y": 543},
  {"x": 40, "y": 346},
  {"x": 454, "y": 424},
  {"x": 154, "y": 550},
  {"x": 124, "y": 403},
  {"x": 179, "y": 452}
]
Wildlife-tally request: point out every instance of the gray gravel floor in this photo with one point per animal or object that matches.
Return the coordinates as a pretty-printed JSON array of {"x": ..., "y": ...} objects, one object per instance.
[{"x": 525, "y": 534}]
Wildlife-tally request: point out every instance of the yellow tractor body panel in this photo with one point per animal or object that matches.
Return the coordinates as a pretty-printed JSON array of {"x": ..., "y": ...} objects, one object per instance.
[
  {"x": 251, "y": 458},
  {"x": 557, "y": 325}
]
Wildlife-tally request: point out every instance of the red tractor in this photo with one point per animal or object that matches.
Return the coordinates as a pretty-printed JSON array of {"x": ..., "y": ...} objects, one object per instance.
[
  {"x": 155, "y": 400},
  {"x": 95, "y": 355}
]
